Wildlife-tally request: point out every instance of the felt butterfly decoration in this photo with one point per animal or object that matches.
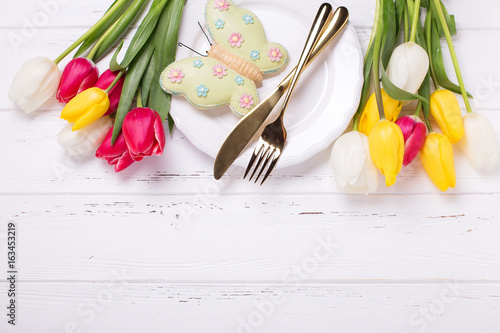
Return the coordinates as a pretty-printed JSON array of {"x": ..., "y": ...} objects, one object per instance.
[{"x": 236, "y": 60}]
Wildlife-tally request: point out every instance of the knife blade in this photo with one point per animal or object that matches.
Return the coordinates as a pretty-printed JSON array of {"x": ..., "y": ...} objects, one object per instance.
[{"x": 243, "y": 132}]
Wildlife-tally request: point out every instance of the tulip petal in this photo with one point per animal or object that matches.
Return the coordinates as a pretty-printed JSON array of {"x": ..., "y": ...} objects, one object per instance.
[{"x": 479, "y": 142}]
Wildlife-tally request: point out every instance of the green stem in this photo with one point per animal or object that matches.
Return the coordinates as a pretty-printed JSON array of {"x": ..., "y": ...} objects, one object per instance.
[
  {"x": 94, "y": 50},
  {"x": 116, "y": 7},
  {"x": 375, "y": 20},
  {"x": 355, "y": 122},
  {"x": 376, "y": 60},
  {"x": 416, "y": 18},
  {"x": 453, "y": 54},
  {"x": 419, "y": 108},
  {"x": 428, "y": 41},
  {"x": 139, "y": 98},
  {"x": 406, "y": 27},
  {"x": 117, "y": 78}
]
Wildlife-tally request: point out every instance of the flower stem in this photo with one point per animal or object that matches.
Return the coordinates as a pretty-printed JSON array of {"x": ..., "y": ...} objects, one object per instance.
[
  {"x": 376, "y": 59},
  {"x": 117, "y": 78},
  {"x": 428, "y": 41},
  {"x": 375, "y": 20},
  {"x": 94, "y": 50},
  {"x": 419, "y": 108},
  {"x": 355, "y": 123},
  {"x": 416, "y": 18},
  {"x": 453, "y": 54},
  {"x": 138, "y": 98},
  {"x": 406, "y": 27},
  {"x": 116, "y": 7}
]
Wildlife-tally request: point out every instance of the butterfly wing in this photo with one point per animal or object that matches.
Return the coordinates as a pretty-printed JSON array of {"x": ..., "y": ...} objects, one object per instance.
[
  {"x": 240, "y": 31},
  {"x": 207, "y": 83}
]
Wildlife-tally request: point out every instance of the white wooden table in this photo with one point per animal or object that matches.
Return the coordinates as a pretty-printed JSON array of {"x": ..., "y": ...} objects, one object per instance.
[{"x": 163, "y": 247}]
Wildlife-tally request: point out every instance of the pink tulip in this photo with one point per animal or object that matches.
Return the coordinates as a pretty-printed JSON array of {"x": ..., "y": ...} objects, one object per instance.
[
  {"x": 115, "y": 93},
  {"x": 117, "y": 154},
  {"x": 414, "y": 133},
  {"x": 78, "y": 75},
  {"x": 144, "y": 133}
]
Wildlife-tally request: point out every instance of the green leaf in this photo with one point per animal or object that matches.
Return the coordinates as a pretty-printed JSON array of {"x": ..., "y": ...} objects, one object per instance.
[
  {"x": 450, "y": 20},
  {"x": 397, "y": 93},
  {"x": 171, "y": 124},
  {"x": 367, "y": 69},
  {"x": 143, "y": 33},
  {"x": 119, "y": 8},
  {"x": 147, "y": 80},
  {"x": 166, "y": 44},
  {"x": 425, "y": 91},
  {"x": 424, "y": 3},
  {"x": 115, "y": 32},
  {"x": 436, "y": 58},
  {"x": 131, "y": 84},
  {"x": 390, "y": 30}
]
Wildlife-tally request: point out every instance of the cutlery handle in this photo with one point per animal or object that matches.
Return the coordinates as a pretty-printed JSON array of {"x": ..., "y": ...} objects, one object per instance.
[
  {"x": 321, "y": 20},
  {"x": 329, "y": 32}
]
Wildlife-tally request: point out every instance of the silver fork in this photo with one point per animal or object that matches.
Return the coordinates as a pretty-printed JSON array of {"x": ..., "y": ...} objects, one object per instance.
[{"x": 273, "y": 138}]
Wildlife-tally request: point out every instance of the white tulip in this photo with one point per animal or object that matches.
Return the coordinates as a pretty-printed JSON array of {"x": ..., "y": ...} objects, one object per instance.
[
  {"x": 85, "y": 141},
  {"x": 35, "y": 83},
  {"x": 352, "y": 164},
  {"x": 408, "y": 67},
  {"x": 479, "y": 143}
]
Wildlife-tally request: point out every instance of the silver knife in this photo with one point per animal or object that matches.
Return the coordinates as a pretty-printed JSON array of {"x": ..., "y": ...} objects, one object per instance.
[{"x": 243, "y": 132}]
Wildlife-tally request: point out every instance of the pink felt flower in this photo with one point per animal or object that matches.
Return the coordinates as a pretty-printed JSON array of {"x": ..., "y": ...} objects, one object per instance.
[
  {"x": 274, "y": 54},
  {"x": 246, "y": 101},
  {"x": 221, "y": 5},
  {"x": 219, "y": 70},
  {"x": 235, "y": 39},
  {"x": 176, "y": 75}
]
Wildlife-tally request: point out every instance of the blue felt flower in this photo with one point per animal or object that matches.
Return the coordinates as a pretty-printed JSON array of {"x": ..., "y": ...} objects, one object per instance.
[
  {"x": 248, "y": 19},
  {"x": 202, "y": 90},
  {"x": 255, "y": 55},
  {"x": 198, "y": 63},
  {"x": 219, "y": 24},
  {"x": 239, "y": 80}
]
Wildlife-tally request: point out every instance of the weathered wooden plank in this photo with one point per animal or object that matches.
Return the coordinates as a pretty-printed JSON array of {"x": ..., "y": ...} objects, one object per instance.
[
  {"x": 256, "y": 237},
  {"x": 126, "y": 305}
]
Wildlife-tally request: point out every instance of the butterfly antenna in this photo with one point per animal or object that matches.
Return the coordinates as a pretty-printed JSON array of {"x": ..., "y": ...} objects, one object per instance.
[
  {"x": 203, "y": 30},
  {"x": 189, "y": 48}
]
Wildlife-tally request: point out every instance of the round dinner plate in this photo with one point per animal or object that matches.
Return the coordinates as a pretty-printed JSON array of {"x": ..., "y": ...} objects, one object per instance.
[{"x": 323, "y": 103}]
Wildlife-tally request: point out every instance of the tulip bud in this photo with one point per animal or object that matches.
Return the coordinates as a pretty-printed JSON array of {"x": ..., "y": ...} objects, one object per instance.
[
  {"x": 78, "y": 75},
  {"x": 115, "y": 93},
  {"x": 85, "y": 141},
  {"x": 387, "y": 149},
  {"x": 144, "y": 133},
  {"x": 86, "y": 107},
  {"x": 446, "y": 111},
  {"x": 35, "y": 83},
  {"x": 479, "y": 142},
  {"x": 408, "y": 67},
  {"x": 414, "y": 132},
  {"x": 117, "y": 154},
  {"x": 371, "y": 114},
  {"x": 352, "y": 164},
  {"x": 437, "y": 157}
]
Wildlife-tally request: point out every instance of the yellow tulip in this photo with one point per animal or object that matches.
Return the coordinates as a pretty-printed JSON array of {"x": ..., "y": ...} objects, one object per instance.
[
  {"x": 86, "y": 107},
  {"x": 387, "y": 149},
  {"x": 371, "y": 115},
  {"x": 446, "y": 111},
  {"x": 437, "y": 157}
]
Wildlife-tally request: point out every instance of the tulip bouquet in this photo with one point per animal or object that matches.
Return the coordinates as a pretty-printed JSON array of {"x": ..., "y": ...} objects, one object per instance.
[
  {"x": 98, "y": 108},
  {"x": 399, "y": 74}
]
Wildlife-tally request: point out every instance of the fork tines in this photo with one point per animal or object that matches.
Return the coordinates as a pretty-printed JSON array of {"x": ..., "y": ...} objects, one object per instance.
[{"x": 266, "y": 153}]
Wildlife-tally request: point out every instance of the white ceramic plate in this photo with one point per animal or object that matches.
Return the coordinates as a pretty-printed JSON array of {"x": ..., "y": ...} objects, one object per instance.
[{"x": 323, "y": 103}]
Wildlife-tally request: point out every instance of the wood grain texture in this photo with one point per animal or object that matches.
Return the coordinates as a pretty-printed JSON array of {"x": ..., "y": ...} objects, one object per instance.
[
  {"x": 257, "y": 238},
  {"x": 446, "y": 306},
  {"x": 162, "y": 247}
]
